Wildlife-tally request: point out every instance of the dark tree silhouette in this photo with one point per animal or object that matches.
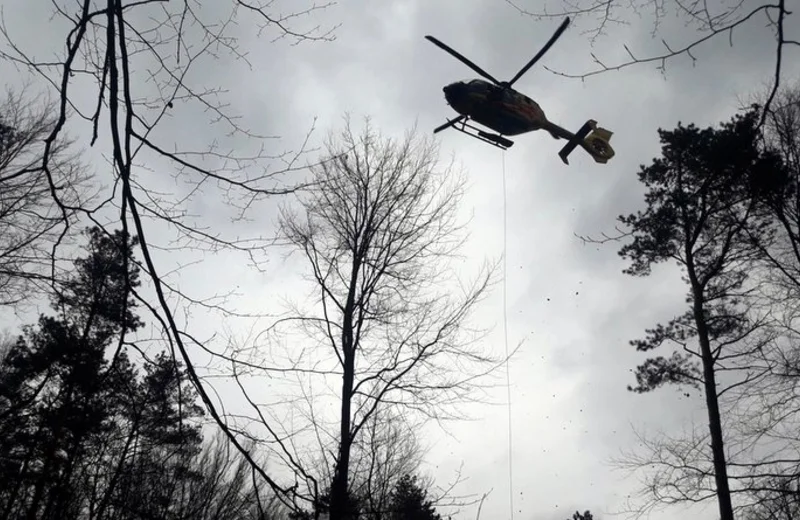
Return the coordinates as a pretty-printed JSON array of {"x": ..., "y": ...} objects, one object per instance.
[
  {"x": 163, "y": 441},
  {"x": 700, "y": 212},
  {"x": 54, "y": 379},
  {"x": 104, "y": 43},
  {"x": 388, "y": 449},
  {"x": 377, "y": 234},
  {"x": 757, "y": 386},
  {"x": 84, "y": 437},
  {"x": 410, "y": 501}
]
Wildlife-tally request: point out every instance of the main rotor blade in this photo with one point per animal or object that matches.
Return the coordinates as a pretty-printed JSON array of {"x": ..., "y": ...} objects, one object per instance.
[
  {"x": 547, "y": 46},
  {"x": 463, "y": 60},
  {"x": 449, "y": 123}
]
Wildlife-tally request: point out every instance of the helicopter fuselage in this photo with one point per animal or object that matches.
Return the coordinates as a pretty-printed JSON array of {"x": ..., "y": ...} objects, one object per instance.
[
  {"x": 497, "y": 106},
  {"x": 504, "y": 110}
]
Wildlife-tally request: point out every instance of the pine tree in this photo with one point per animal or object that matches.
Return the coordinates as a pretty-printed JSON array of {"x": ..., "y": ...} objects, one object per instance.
[
  {"x": 410, "y": 501},
  {"x": 165, "y": 443},
  {"x": 83, "y": 434},
  {"x": 701, "y": 213},
  {"x": 54, "y": 389}
]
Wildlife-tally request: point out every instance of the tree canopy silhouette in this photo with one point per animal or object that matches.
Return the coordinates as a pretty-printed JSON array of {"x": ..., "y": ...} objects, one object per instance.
[
  {"x": 391, "y": 320},
  {"x": 702, "y": 214}
]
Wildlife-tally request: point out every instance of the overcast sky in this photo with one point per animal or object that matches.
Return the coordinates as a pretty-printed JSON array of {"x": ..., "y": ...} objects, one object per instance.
[{"x": 569, "y": 303}]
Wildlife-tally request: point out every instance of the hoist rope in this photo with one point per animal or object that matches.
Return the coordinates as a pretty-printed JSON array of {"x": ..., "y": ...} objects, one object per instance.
[{"x": 505, "y": 342}]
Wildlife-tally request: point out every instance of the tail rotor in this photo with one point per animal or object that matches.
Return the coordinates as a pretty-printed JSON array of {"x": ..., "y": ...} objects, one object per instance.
[{"x": 593, "y": 139}]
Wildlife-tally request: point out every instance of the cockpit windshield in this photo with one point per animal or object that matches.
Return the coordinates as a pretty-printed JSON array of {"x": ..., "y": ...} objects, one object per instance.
[{"x": 477, "y": 84}]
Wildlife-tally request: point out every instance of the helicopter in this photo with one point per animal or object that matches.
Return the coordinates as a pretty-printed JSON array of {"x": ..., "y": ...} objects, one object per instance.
[{"x": 497, "y": 106}]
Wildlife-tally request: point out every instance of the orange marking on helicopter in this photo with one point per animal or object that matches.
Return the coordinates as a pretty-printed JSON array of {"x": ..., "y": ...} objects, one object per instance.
[{"x": 498, "y": 107}]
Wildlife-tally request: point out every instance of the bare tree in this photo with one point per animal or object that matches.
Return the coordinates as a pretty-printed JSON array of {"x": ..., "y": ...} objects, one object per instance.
[
  {"x": 145, "y": 62},
  {"x": 712, "y": 21},
  {"x": 781, "y": 501},
  {"x": 767, "y": 413},
  {"x": 221, "y": 487},
  {"x": 30, "y": 220},
  {"x": 377, "y": 232},
  {"x": 387, "y": 449}
]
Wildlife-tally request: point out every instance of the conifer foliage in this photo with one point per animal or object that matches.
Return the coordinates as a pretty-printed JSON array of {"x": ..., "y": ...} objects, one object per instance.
[
  {"x": 85, "y": 435},
  {"x": 701, "y": 213},
  {"x": 410, "y": 501}
]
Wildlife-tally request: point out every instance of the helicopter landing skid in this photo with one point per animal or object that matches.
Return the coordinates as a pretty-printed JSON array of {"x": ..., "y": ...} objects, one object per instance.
[{"x": 493, "y": 139}]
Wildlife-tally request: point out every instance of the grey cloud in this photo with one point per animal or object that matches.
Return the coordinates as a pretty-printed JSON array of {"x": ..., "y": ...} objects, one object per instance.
[{"x": 571, "y": 411}]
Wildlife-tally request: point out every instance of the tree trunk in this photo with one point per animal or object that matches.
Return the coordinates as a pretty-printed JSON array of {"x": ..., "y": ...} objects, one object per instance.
[
  {"x": 339, "y": 494},
  {"x": 712, "y": 404},
  {"x": 340, "y": 503}
]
